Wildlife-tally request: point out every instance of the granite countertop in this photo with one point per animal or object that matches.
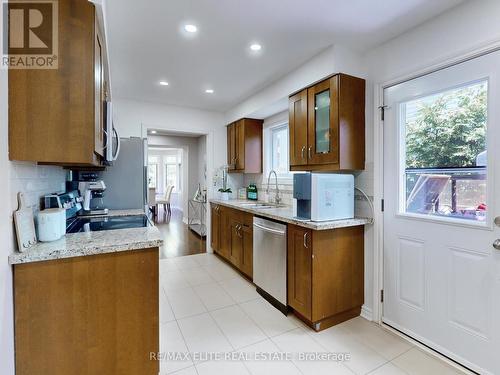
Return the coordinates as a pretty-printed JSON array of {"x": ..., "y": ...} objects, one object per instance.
[
  {"x": 92, "y": 243},
  {"x": 285, "y": 214}
]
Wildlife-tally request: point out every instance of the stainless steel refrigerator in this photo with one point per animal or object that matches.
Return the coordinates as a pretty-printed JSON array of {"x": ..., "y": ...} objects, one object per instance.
[{"x": 126, "y": 179}]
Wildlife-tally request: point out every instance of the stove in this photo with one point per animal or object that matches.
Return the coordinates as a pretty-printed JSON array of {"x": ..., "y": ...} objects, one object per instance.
[{"x": 92, "y": 224}]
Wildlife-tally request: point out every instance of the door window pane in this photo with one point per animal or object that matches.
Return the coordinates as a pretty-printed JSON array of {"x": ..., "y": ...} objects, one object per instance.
[
  {"x": 171, "y": 176},
  {"x": 322, "y": 122},
  {"x": 279, "y": 149},
  {"x": 444, "y": 153},
  {"x": 152, "y": 175}
]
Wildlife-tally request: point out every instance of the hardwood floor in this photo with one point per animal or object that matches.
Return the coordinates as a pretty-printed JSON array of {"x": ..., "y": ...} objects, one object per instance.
[{"x": 179, "y": 239}]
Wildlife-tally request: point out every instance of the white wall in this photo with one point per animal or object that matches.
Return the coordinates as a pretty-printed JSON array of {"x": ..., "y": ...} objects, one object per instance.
[
  {"x": 468, "y": 26},
  {"x": 202, "y": 161},
  {"x": 334, "y": 59}
]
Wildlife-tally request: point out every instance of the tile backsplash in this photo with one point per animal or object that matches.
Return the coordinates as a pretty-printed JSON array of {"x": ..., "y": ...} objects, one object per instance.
[
  {"x": 362, "y": 180},
  {"x": 34, "y": 181}
]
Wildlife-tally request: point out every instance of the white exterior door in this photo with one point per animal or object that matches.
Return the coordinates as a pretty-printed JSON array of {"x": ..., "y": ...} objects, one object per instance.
[{"x": 441, "y": 195}]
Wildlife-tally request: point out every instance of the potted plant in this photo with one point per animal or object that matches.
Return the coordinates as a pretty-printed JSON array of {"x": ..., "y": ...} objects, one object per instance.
[{"x": 225, "y": 194}]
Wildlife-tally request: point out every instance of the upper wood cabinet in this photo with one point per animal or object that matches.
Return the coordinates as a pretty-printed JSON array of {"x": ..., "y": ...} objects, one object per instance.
[
  {"x": 244, "y": 146},
  {"x": 327, "y": 125},
  {"x": 298, "y": 128},
  {"x": 57, "y": 116}
]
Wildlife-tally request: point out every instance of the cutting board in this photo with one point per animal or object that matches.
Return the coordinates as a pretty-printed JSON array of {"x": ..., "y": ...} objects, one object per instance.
[{"x": 25, "y": 224}]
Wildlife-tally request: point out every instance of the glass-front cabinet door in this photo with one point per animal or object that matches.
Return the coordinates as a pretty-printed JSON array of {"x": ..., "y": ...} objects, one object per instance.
[{"x": 323, "y": 122}]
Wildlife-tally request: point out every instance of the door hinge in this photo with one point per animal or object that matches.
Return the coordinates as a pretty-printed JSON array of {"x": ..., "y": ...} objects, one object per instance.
[
  {"x": 382, "y": 112},
  {"x": 382, "y": 205},
  {"x": 382, "y": 296}
]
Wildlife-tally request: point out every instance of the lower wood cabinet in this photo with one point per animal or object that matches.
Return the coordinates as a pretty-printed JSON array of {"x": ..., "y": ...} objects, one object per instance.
[
  {"x": 95, "y": 314},
  {"x": 325, "y": 274},
  {"x": 232, "y": 237},
  {"x": 215, "y": 228}
]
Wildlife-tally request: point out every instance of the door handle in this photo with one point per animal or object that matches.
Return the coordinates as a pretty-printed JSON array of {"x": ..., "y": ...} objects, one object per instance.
[
  {"x": 496, "y": 244},
  {"x": 309, "y": 152},
  {"x": 303, "y": 152}
]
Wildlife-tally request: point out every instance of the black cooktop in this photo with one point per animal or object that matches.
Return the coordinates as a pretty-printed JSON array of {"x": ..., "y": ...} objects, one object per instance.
[{"x": 92, "y": 224}]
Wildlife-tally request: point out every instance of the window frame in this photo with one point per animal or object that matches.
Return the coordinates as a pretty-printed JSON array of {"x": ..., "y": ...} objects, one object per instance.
[
  {"x": 401, "y": 211},
  {"x": 283, "y": 178}
]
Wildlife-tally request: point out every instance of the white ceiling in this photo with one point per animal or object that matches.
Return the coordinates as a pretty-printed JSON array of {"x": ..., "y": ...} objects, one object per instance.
[{"x": 146, "y": 43}]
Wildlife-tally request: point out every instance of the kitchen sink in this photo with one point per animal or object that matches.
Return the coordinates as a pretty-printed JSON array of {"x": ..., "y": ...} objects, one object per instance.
[{"x": 259, "y": 206}]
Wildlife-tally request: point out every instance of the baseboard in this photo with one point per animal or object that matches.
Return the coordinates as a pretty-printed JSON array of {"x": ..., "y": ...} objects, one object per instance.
[{"x": 367, "y": 313}]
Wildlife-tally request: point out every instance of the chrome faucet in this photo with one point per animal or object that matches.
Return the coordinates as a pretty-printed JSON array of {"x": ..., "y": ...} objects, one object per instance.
[{"x": 277, "y": 198}]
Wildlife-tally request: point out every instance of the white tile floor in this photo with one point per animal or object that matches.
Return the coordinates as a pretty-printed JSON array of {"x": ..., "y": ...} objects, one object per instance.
[{"x": 206, "y": 306}]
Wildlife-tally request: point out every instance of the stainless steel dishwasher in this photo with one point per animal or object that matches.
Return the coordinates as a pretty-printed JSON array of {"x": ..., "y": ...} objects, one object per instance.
[{"x": 269, "y": 261}]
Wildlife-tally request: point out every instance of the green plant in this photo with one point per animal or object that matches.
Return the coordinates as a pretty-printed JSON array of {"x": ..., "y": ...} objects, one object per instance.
[
  {"x": 228, "y": 190},
  {"x": 449, "y": 131}
]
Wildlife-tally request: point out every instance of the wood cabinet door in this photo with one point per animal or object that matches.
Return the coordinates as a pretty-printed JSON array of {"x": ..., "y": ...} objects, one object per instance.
[
  {"x": 98, "y": 92},
  {"x": 215, "y": 227},
  {"x": 239, "y": 145},
  {"x": 246, "y": 265},
  {"x": 338, "y": 271},
  {"x": 300, "y": 270},
  {"x": 235, "y": 240},
  {"x": 231, "y": 146},
  {"x": 224, "y": 238},
  {"x": 297, "y": 112},
  {"x": 323, "y": 122}
]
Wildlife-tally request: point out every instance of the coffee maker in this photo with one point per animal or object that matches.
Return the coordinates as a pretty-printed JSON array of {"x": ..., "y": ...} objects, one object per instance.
[{"x": 91, "y": 190}]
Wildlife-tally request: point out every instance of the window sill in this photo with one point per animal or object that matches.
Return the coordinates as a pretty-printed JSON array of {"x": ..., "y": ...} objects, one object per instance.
[{"x": 446, "y": 220}]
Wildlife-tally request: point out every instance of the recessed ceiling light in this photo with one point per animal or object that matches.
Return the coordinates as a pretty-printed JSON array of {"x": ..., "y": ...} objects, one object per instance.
[
  {"x": 255, "y": 47},
  {"x": 153, "y": 131},
  {"x": 163, "y": 83},
  {"x": 190, "y": 28},
  {"x": 209, "y": 91}
]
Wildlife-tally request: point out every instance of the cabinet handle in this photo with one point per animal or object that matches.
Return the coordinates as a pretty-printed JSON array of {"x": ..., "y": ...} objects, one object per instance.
[
  {"x": 238, "y": 230},
  {"x": 303, "y": 152},
  {"x": 309, "y": 151},
  {"x": 305, "y": 241}
]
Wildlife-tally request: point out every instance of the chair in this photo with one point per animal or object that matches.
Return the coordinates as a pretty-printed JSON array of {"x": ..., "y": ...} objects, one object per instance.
[
  {"x": 152, "y": 200},
  {"x": 166, "y": 200}
]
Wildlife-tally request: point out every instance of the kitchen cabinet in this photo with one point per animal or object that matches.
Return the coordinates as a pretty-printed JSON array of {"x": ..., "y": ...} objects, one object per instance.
[
  {"x": 325, "y": 274},
  {"x": 297, "y": 125},
  {"x": 56, "y": 116},
  {"x": 234, "y": 243},
  {"x": 244, "y": 146},
  {"x": 95, "y": 314},
  {"x": 327, "y": 125},
  {"x": 215, "y": 228},
  {"x": 299, "y": 269}
]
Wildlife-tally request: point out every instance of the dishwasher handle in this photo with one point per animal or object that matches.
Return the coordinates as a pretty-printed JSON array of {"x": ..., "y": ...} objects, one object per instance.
[{"x": 271, "y": 230}]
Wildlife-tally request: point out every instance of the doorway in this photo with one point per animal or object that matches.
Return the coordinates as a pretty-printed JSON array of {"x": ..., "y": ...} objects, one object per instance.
[
  {"x": 441, "y": 187},
  {"x": 176, "y": 172}
]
